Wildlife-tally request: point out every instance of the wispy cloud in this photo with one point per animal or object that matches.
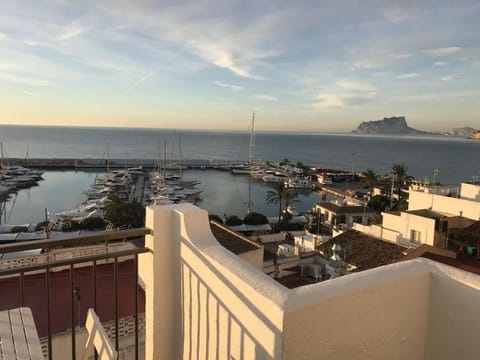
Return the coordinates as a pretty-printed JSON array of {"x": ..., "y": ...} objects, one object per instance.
[
  {"x": 408, "y": 76},
  {"x": 397, "y": 15},
  {"x": 443, "y": 51},
  {"x": 344, "y": 94},
  {"x": 72, "y": 31},
  {"x": 355, "y": 85},
  {"x": 140, "y": 80},
  {"x": 448, "y": 78},
  {"x": 440, "y": 63},
  {"x": 377, "y": 58},
  {"x": 265, "y": 97},
  {"x": 229, "y": 86},
  {"x": 26, "y": 80}
]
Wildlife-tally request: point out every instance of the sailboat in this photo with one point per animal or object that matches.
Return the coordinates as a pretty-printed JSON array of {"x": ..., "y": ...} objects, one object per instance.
[{"x": 248, "y": 167}]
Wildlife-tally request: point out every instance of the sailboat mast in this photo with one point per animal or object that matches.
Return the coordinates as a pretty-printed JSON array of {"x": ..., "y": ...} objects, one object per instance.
[
  {"x": 251, "y": 155},
  {"x": 180, "y": 153},
  {"x": 3, "y": 165},
  {"x": 251, "y": 150},
  {"x": 164, "y": 158}
]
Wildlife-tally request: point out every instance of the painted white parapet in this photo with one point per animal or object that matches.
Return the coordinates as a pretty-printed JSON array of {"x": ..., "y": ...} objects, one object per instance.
[
  {"x": 465, "y": 207},
  {"x": 203, "y": 302}
]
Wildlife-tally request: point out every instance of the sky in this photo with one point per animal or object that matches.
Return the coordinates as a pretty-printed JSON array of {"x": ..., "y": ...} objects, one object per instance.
[{"x": 300, "y": 65}]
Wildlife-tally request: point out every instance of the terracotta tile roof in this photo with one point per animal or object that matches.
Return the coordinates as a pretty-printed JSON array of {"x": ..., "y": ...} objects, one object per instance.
[
  {"x": 236, "y": 243},
  {"x": 366, "y": 252},
  {"x": 469, "y": 236}
]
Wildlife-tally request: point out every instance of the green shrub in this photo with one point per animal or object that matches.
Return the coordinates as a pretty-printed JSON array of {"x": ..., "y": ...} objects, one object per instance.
[
  {"x": 254, "y": 218},
  {"x": 93, "y": 223},
  {"x": 17, "y": 229},
  {"x": 233, "y": 221}
]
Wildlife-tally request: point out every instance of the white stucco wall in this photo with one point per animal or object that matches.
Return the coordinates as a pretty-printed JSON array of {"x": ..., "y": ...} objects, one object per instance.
[
  {"x": 228, "y": 309},
  {"x": 391, "y": 221},
  {"x": 254, "y": 258},
  {"x": 444, "y": 204},
  {"x": 425, "y": 226},
  {"x": 470, "y": 191},
  {"x": 453, "y": 321},
  {"x": 381, "y": 233},
  {"x": 346, "y": 324}
]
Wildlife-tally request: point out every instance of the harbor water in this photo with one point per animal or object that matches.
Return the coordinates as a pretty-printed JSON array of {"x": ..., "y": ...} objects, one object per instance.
[{"x": 223, "y": 193}]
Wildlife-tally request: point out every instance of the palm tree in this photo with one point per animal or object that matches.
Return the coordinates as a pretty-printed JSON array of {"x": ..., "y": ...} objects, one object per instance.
[
  {"x": 276, "y": 197},
  {"x": 115, "y": 210},
  {"x": 135, "y": 215},
  {"x": 370, "y": 178},
  {"x": 401, "y": 176},
  {"x": 289, "y": 197}
]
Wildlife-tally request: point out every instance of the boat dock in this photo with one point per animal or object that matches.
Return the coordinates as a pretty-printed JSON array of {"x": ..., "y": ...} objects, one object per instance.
[{"x": 342, "y": 195}]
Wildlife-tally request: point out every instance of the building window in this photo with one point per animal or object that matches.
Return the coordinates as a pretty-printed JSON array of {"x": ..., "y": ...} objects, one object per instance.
[{"x": 415, "y": 235}]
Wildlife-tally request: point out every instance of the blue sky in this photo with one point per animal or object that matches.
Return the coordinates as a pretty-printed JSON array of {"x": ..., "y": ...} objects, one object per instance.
[{"x": 300, "y": 65}]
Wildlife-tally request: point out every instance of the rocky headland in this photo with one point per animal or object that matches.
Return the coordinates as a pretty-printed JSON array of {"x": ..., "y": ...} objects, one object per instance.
[{"x": 396, "y": 125}]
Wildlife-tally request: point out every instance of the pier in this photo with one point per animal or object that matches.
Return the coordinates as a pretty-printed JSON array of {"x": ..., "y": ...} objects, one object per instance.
[{"x": 148, "y": 164}]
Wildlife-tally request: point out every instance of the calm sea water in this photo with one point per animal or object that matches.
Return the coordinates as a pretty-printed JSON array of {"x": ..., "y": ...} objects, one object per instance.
[{"x": 456, "y": 159}]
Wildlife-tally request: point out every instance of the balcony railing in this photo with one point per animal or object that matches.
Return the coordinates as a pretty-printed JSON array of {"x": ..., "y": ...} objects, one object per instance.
[{"x": 104, "y": 248}]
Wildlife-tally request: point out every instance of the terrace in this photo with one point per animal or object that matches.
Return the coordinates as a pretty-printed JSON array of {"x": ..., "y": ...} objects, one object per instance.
[{"x": 203, "y": 301}]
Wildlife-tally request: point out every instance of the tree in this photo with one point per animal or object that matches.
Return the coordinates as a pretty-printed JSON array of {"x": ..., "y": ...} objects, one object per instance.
[
  {"x": 276, "y": 197},
  {"x": 370, "y": 178},
  {"x": 289, "y": 197},
  {"x": 379, "y": 203},
  {"x": 401, "y": 176},
  {"x": 135, "y": 213},
  {"x": 115, "y": 210},
  {"x": 233, "y": 220},
  {"x": 254, "y": 218}
]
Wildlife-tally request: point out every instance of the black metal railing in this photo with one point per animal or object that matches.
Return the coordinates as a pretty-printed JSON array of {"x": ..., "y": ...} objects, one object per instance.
[{"x": 22, "y": 270}]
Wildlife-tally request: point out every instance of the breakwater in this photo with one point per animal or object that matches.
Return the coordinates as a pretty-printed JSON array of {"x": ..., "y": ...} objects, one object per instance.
[{"x": 71, "y": 163}]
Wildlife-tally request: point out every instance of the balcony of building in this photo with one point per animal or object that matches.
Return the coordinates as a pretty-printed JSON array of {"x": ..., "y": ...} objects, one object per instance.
[{"x": 202, "y": 301}]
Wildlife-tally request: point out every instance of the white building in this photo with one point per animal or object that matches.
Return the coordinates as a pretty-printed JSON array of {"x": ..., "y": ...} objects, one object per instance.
[{"x": 429, "y": 217}]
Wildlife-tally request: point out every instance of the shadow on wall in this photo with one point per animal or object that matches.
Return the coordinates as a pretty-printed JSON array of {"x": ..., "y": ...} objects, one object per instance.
[{"x": 214, "y": 323}]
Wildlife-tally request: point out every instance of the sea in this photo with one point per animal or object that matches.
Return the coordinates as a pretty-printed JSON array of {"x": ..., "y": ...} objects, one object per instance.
[{"x": 224, "y": 194}]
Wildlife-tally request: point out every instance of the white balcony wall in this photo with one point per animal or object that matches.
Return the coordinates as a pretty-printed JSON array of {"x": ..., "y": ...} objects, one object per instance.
[{"x": 204, "y": 302}]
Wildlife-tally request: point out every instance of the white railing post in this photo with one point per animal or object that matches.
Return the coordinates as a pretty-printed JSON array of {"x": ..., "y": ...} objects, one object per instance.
[{"x": 160, "y": 272}]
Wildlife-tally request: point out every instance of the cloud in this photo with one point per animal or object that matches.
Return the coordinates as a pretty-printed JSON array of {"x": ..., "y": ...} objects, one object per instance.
[
  {"x": 407, "y": 76},
  {"x": 345, "y": 93},
  {"x": 264, "y": 97},
  {"x": 72, "y": 31},
  {"x": 445, "y": 51},
  {"x": 397, "y": 15},
  {"x": 440, "y": 63},
  {"x": 229, "y": 86},
  {"x": 140, "y": 80},
  {"x": 448, "y": 78},
  {"x": 26, "y": 80},
  {"x": 328, "y": 102},
  {"x": 377, "y": 58},
  {"x": 3, "y": 36},
  {"x": 355, "y": 85}
]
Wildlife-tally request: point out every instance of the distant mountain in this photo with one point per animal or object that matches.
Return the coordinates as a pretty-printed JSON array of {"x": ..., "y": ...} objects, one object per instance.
[
  {"x": 396, "y": 125},
  {"x": 466, "y": 131}
]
